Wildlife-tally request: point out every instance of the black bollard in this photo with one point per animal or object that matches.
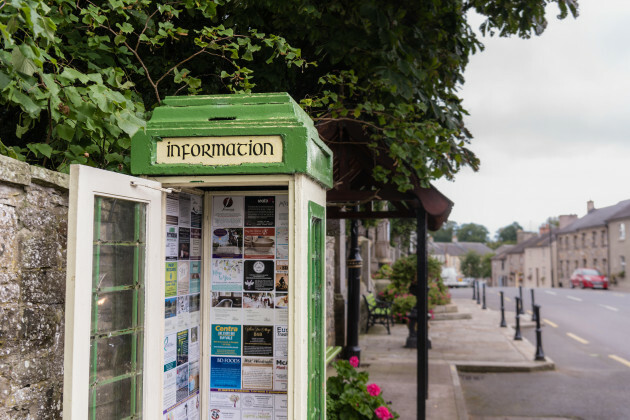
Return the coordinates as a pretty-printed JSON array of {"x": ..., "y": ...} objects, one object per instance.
[
  {"x": 484, "y": 296},
  {"x": 474, "y": 289},
  {"x": 520, "y": 295},
  {"x": 517, "y": 333},
  {"x": 540, "y": 354},
  {"x": 503, "y": 323},
  {"x": 478, "y": 294},
  {"x": 533, "y": 307}
]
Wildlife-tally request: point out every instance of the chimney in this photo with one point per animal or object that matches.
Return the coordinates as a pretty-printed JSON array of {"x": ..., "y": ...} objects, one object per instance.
[
  {"x": 543, "y": 230},
  {"x": 590, "y": 206},
  {"x": 522, "y": 236},
  {"x": 565, "y": 220}
]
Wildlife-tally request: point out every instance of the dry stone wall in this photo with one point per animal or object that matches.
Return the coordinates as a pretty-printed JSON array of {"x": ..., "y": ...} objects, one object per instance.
[{"x": 33, "y": 230}]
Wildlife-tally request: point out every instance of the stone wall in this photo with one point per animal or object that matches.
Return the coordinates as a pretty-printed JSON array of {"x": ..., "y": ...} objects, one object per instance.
[{"x": 33, "y": 230}]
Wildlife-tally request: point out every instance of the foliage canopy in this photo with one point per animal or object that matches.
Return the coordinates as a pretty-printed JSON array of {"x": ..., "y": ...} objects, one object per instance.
[{"x": 78, "y": 78}]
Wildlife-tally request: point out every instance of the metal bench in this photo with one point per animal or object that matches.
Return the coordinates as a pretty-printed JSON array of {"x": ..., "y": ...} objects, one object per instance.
[{"x": 379, "y": 312}]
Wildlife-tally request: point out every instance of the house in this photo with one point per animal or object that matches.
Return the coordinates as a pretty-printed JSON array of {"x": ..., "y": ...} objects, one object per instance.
[
  {"x": 500, "y": 270},
  {"x": 450, "y": 254},
  {"x": 618, "y": 246},
  {"x": 538, "y": 260}
]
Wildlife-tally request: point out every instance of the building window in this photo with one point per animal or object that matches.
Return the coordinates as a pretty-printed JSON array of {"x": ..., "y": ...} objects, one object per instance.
[
  {"x": 595, "y": 263},
  {"x": 604, "y": 241},
  {"x": 594, "y": 239},
  {"x": 604, "y": 265},
  {"x": 584, "y": 262},
  {"x": 622, "y": 231},
  {"x": 575, "y": 242},
  {"x": 576, "y": 264},
  {"x": 583, "y": 240},
  {"x": 622, "y": 262}
]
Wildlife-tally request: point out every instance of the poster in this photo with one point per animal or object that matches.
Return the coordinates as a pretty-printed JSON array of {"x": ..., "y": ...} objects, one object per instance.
[
  {"x": 282, "y": 281},
  {"x": 226, "y": 307},
  {"x": 193, "y": 344},
  {"x": 182, "y": 347},
  {"x": 260, "y": 243},
  {"x": 227, "y": 243},
  {"x": 182, "y": 382},
  {"x": 227, "y": 275},
  {"x": 258, "y": 308},
  {"x": 193, "y": 377},
  {"x": 226, "y": 340},
  {"x": 196, "y": 203},
  {"x": 195, "y": 244},
  {"x": 282, "y": 212},
  {"x": 170, "y": 388},
  {"x": 183, "y": 314},
  {"x": 195, "y": 277},
  {"x": 183, "y": 277},
  {"x": 224, "y": 414},
  {"x": 225, "y": 372},
  {"x": 227, "y": 211},
  {"x": 170, "y": 315},
  {"x": 225, "y": 400},
  {"x": 257, "y": 400},
  {"x": 257, "y": 373},
  {"x": 171, "y": 279},
  {"x": 281, "y": 341},
  {"x": 257, "y": 340},
  {"x": 171, "y": 243},
  {"x": 280, "y": 374},
  {"x": 259, "y": 275},
  {"x": 170, "y": 352},
  {"x": 260, "y": 211},
  {"x": 172, "y": 209},
  {"x": 184, "y": 209},
  {"x": 184, "y": 244}
]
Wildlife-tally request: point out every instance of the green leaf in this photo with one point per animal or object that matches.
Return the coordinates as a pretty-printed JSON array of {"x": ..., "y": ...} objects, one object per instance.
[
  {"x": 65, "y": 131},
  {"x": 26, "y": 103},
  {"x": 21, "y": 63}
]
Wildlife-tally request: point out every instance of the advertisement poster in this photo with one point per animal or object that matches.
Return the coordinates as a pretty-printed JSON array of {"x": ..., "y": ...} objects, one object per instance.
[
  {"x": 170, "y": 352},
  {"x": 260, "y": 211},
  {"x": 172, "y": 209},
  {"x": 227, "y": 211},
  {"x": 184, "y": 244},
  {"x": 171, "y": 243},
  {"x": 257, "y": 340},
  {"x": 226, "y": 340},
  {"x": 257, "y": 373},
  {"x": 257, "y": 415},
  {"x": 282, "y": 281},
  {"x": 183, "y": 277},
  {"x": 260, "y": 243},
  {"x": 282, "y": 236},
  {"x": 193, "y": 377},
  {"x": 226, "y": 308},
  {"x": 257, "y": 401},
  {"x": 258, "y": 308},
  {"x": 282, "y": 212},
  {"x": 258, "y": 275},
  {"x": 183, "y": 315},
  {"x": 282, "y": 309},
  {"x": 194, "y": 304},
  {"x": 193, "y": 344},
  {"x": 281, "y": 341},
  {"x": 182, "y": 347},
  {"x": 225, "y": 372},
  {"x": 170, "y": 315},
  {"x": 282, "y": 252},
  {"x": 224, "y": 414},
  {"x": 195, "y": 244},
  {"x": 225, "y": 400},
  {"x": 227, "y": 243},
  {"x": 182, "y": 382},
  {"x": 170, "y": 388},
  {"x": 196, "y": 203},
  {"x": 227, "y": 275},
  {"x": 171, "y": 279},
  {"x": 280, "y": 374},
  {"x": 195, "y": 276},
  {"x": 184, "y": 209}
]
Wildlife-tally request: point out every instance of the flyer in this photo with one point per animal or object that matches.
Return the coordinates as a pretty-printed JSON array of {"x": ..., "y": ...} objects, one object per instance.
[
  {"x": 281, "y": 341},
  {"x": 170, "y": 389},
  {"x": 184, "y": 244},
  {"x": 183, "y": 314},
  {"x": 194, "y": 304},
  {"x": 259, "y": 400},
  {"x": 260, "y": 243},
  {"x": 170, "y": 352},
  {"x": 282, "y": 252},
  {"x": 257, "y": 340},
  {"x": 171, "y": 243},
  {"x": 171, "y": 279},
  {"x": 282, "y": 308},
  {"x": 257, "y": 415},
  {"x": 282, "y": 211},
  {"x": 183, "y": 277},
  {"x": 195, "y": 244},
  {"x": 227, "y": 211},
  {"x": 225, "y": 400},
  {"x": 172, "y": 209},
  {"x": 170, "y": 315},
  {"x": 227, "y": 243},
  {"x": 226, "y": 308},
  {"x": 227, "y": 275},
  {"x": 257, "y": 373},
  {"x": 225, "y": 372},
  {"x": 193, "y": 344},
  {"x": 260, "y": 211},
  {"x": 280, "y": 375},
  {"x": 182, "y": 382},
  {"x": 282, "y": 236},
  {"x": 258, "y": 308},
  {"x": 225, "y": 340},
  {"x": 195, "y": 276},
  {"x": 193, "y": 377},
  {"x": 258, "y": 275},
  {"x": 281, "y": 404},
  {"x": 282, "y": 281},
  {"x": 182, "y": 347},
  {"x": 184, "y": 209},
  {"x": 196, "y": 211},
  {"x": 224, "y": 414},
  {"x": 282, "y": 265}
]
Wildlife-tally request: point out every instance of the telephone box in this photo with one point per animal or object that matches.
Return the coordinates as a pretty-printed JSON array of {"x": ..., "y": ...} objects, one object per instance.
[{"x": 196, "y": 288}]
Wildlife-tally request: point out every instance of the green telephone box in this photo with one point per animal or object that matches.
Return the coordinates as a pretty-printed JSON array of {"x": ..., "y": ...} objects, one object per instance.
[{"x": 223, "y": 313}]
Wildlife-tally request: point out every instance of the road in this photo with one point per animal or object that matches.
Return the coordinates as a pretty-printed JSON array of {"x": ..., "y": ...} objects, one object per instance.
[{"x": 587, "y": 335}]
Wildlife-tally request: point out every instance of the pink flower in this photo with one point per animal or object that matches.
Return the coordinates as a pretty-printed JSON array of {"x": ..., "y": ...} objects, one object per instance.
[
  {"x": 383, "y": 413},
  {"x": 373, "y": 390},
  {"x": 354, "y": 361}
]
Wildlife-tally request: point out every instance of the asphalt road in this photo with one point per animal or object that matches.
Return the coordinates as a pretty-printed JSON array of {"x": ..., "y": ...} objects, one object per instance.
[{"x": 587, "y": 334}]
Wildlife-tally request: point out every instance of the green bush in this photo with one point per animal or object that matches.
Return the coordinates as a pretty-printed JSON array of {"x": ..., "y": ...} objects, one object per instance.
[{"x": 384, "y": 272}]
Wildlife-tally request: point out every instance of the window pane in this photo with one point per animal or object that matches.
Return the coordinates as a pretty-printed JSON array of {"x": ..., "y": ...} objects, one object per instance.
[{"x": 112, "y": 401}]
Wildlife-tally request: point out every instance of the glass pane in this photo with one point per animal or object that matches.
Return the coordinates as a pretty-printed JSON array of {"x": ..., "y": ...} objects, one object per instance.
[
  {"x": 117, "y": 221},
  {"x": 115, "y": 356},
  {"x": 115, "y": 265},
  {"x": 112, "y": 401},
  {"x": 115, "y": 311}
]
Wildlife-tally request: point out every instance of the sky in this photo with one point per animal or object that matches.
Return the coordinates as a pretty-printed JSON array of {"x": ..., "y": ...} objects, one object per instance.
[{"x": 550, "y": 118}]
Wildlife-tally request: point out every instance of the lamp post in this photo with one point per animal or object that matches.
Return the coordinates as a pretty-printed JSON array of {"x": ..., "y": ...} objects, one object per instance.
[{"x": 354, "y": 264}]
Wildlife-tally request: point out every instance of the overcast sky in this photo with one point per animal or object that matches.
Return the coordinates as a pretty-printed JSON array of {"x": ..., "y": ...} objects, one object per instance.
[{"x": 550, "y": 119}]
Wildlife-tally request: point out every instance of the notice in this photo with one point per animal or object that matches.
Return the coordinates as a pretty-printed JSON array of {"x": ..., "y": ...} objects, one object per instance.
[
  {"x": 184, "y": 209},
  {"x": 281, "y": 341},
  {"x": 257, "y": 373},
  {"x": 224, "y": 414},
  {"x": 195, "y": 244},
  {"x": 195, "y": 277},
  {"x": 225, "y": 340},
  {"x": 170, "y": 389},
  {"x": 225, "y": 400},
  {"x": 184, "y": 244},
  {"x": 258, "y": 275},
  {"x": 170, "y": 352},
  {"x": 171, "y": 243},
  {"x": 258, "y": 308},
  {"x": 172, "y": 209},
  {"x": 282, "y": 212},
  {"x": 282, "y": 281},
  {"x": 257, "y": 400},
  {"x": 282, "y": 252},
  {"x": 182, "y": 347},
  {"x": 183, "y": 277},
  {"x": 225, "y": 372},
  {"x": 171, "y": 279},
  {"x": 282, "y": 236},
  {"x": 281, "y": 404},
  {"x": 260, "y": 211},
  {"x": 193, "y": 377},
  {"x": 183, "y": 314},
  {"x": 260, "y": 243},
  {"x": 227, "y": 211},
  {"x": 196, "y": 211},
  {"x": 193, "y": 344},
  {"x": 226, "y": 308},
  {"x": 282, "y": 308},
  {"x": 227, "y": 243},
  {"x": 170, "y": 315},
  {"x": 257, "y": 340},
  {"x": 227, "y": 275},
  {"x": 280, "y": 374},
  {"x": 182, "y": 382},
  {"x": 257, "y": 415}
]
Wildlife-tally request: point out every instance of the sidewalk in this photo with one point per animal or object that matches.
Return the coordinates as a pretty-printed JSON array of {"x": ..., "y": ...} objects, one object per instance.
[{"x": 474, "y": 344}]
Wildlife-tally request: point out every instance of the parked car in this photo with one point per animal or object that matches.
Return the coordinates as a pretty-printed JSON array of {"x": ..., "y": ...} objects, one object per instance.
[
  {"x": 588, "y": 277},
  {"x": 452, "y": 279}
]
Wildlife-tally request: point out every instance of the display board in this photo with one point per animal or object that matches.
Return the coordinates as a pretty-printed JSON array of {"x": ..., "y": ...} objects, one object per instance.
[
  {"x": 248, "y": 318},
  {"x": 182, "y": 329}
]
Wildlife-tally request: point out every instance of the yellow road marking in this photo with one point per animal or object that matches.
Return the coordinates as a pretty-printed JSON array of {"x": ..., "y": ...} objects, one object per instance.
[
  {"x": 620, "y": 360},
  {"x": 552, "y": 324},
  {"x": 576, "y": 338}
]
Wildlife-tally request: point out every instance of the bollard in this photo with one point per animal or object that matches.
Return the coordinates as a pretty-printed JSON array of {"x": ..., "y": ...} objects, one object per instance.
[
  {"x": 478, "y": 294},
  {"x": 484, "y": 296},
  {"x": 520, "y": 295},
  {"x": 503, "y": 323},
  {"x": 474, "y": 289},
  {"x": 517, "y": 333},
  {"x": 533, "y": 307},
  {"x": 540, "y": 355}
]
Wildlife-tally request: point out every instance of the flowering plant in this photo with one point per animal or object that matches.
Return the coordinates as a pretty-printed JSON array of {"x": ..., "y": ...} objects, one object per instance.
[{"x": 351, "y": 398}]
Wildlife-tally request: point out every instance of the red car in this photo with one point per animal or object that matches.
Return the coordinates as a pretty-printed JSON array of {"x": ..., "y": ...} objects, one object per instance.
[{"x": 588, "y": 277}]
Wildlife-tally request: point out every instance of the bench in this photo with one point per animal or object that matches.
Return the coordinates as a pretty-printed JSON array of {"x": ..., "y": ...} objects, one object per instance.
[{"x": 379, "y": 312}]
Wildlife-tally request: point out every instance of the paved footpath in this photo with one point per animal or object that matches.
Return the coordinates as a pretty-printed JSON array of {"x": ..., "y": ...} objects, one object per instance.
[{"x": 468, "y": 340}]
